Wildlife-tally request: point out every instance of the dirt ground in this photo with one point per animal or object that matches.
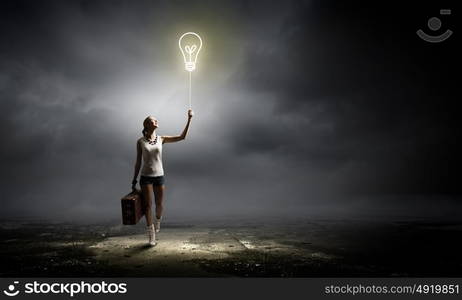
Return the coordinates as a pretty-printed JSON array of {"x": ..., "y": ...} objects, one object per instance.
[{"x": 261, "y": 248}]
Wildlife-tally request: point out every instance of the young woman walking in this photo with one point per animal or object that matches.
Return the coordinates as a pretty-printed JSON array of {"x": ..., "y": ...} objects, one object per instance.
[{"x": 149, "y": 160}]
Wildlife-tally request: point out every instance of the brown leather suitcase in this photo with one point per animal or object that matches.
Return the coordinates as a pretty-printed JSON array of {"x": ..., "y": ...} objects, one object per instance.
[{"x": 132, "y": 208}]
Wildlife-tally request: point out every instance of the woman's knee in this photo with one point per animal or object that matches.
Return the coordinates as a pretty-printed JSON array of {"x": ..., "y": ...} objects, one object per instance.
[
  {"x": 159, "y": 190},
  {"x": 148, "y": 204}
]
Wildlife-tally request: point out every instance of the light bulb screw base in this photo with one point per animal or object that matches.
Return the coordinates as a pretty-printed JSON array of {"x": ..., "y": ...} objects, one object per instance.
[{"x": 190, "y": 66}]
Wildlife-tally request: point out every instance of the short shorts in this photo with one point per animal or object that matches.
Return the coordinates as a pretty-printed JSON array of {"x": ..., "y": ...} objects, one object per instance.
[{"x": 154, "y": 180}]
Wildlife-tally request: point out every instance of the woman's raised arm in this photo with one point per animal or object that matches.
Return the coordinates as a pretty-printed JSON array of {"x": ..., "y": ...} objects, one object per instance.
[{"x": 173, "y": 139}]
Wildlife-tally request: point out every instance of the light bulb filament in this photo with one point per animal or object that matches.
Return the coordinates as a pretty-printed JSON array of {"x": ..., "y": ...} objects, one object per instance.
[{"x": 191, "y": 49}]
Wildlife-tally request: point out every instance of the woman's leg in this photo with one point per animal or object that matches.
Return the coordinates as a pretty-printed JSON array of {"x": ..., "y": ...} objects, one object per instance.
[
  {"x": 159, "y": 197},
  {"x": 146, "y": 189}
]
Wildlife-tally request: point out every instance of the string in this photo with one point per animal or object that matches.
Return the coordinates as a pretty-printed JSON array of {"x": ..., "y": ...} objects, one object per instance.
[{"x": 189, "y": 90}]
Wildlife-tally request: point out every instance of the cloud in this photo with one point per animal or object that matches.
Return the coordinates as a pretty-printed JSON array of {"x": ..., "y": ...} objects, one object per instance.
[{"x": 298, "y": 105}]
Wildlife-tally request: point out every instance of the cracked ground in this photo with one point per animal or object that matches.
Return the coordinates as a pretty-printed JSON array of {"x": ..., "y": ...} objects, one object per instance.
[{"x": 259, "y": 248}]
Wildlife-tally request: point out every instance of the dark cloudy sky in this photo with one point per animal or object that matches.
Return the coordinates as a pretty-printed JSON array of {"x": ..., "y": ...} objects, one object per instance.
[{"x": 300, "y": 106}]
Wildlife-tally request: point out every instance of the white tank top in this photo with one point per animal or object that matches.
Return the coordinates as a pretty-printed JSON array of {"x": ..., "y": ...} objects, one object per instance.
[{"x": 152, "y": 157}]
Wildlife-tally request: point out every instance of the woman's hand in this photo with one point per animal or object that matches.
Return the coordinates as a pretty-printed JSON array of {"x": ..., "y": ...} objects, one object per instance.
[{"x": 190, "y": 113}]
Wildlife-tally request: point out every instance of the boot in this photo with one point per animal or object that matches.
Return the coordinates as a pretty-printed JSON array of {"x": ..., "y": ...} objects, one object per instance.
[
  {"x": 151, "y": 231},
  {"x": 157, "y": 224}
]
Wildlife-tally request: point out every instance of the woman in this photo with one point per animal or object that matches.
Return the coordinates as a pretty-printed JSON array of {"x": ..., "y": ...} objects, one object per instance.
[{"x": 149, "y": 147}]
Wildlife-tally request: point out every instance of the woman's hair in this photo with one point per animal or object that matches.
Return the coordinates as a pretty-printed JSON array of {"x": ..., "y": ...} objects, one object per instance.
[{"x": 145, "y": 130}]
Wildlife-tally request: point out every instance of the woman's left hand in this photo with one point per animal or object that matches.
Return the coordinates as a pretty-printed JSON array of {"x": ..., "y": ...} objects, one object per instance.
[{"x": 190, "y": 113}]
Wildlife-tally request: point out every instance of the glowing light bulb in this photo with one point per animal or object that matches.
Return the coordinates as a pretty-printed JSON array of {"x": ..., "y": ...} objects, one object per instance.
[{"x": 190, "y": 44}]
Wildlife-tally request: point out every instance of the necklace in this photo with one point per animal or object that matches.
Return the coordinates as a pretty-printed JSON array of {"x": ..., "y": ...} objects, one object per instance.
[{"x": 152, "y": 142}]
